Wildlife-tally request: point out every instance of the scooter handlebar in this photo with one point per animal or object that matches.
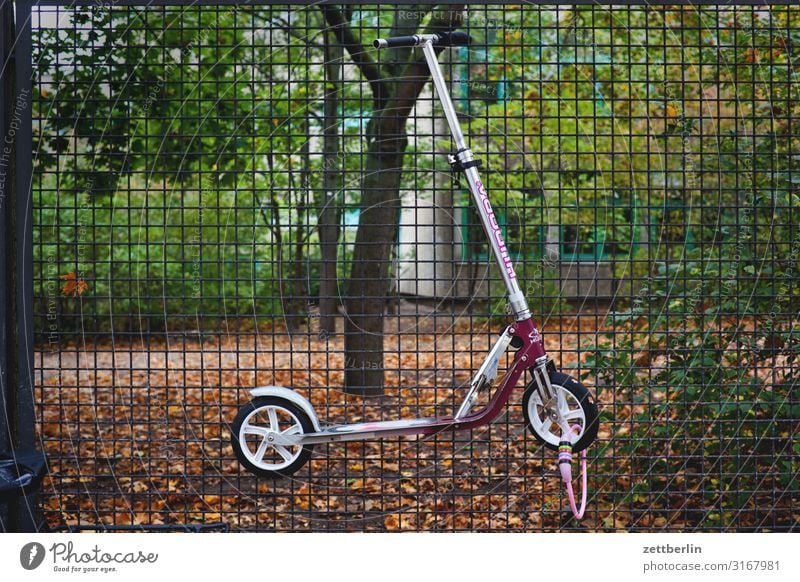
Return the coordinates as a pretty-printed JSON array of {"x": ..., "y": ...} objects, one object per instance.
[
  {"x": 455, "y": 38},
  {"x": 396, "y": 42}
]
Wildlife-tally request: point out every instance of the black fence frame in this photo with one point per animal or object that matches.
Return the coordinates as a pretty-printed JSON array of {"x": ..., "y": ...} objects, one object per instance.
[
  {"x": 17, "y": 418},
  {"x": 17, "y": 421}
]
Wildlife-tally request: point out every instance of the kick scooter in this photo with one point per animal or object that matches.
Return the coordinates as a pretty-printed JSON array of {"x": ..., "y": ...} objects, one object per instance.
[{"x": 273, "y": 435}]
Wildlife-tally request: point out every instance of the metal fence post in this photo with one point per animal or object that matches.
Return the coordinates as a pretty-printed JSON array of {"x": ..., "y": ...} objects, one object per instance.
[
  {"x": 6, "y": 89},
  {"x": 180, "y": 186},
  {"x": 23, "y": 289},
  {"x": 17, "y": 419}
]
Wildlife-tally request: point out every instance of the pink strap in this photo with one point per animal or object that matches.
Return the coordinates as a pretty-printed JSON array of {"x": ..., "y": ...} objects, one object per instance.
[{"x": 566, "y": 475}]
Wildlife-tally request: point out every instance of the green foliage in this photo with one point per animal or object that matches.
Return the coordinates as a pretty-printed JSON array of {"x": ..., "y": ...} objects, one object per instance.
[
  {"x": 180, "y": 187},
  {"x": 706, "y": 347},
  {"x": 133, "y": 135},
  {"x": 152, "y": 262}
]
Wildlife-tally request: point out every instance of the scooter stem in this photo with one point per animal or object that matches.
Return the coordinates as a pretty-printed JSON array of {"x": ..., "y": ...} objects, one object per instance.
[{"x": 466, "y": 163}]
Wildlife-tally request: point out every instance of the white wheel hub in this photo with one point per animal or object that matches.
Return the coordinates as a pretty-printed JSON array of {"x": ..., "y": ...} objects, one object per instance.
[
  {"x": 267, "y": 437},
  {"x": 569, "y": 409}
]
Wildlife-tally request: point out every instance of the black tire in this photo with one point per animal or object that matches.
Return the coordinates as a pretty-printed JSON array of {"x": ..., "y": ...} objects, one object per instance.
[
  {"x": 585, "y": 400},
  {"x": 278, "y": 402}
]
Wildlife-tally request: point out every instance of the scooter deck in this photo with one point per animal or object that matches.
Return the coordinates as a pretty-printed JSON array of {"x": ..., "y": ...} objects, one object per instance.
[{"x": 367, "y": 430}]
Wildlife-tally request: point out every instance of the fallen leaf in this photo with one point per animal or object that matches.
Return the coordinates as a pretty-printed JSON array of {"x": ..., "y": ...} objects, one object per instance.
[
  {"x": 74, "y": 285},
  {"x": 391, "y": 521}
]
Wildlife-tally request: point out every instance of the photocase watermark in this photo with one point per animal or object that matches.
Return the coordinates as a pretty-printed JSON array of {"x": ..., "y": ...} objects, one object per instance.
[
  {"x": 65, "y": 557},
  {"x": 194, "y": 239},
  {"x": 84, "y": 221},
  {"x": 641, "y": 301},
  {"x": 467, "y": 20},
  {"x": 314, "y": 327},
  {"x": 336, "y": 161},
  {"x": 785, "y": 285},
  {"x": 50, "y": 268},
  {"x": 31, "y": 555},
  {"x": 51, "y": 294},
  {"x": 682, "y": 127},
  {"x": 21, "y": 103},
  {"x": 201, "y": 38},
  {"x": 351, "y": 363},
  {"x": 485, "y": 87},
  {"x": 101, "y": 6},
  {"x": 479, "y": 468},
  {"x": 536, "y": 279},
  {"x": 168, "y": 449}
]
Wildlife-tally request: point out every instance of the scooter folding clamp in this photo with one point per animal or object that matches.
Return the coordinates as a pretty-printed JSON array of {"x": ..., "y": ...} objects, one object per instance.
[{"x": 457, "y": 164}]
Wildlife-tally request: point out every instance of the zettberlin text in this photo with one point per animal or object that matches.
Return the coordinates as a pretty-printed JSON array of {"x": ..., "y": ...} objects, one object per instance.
[{"x": 668, "y": 549}]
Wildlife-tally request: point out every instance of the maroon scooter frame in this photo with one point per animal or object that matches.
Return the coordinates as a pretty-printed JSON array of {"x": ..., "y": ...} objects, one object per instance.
[
  {"x": 530, "y": 356},
  {"x": 532, "y": 350}
]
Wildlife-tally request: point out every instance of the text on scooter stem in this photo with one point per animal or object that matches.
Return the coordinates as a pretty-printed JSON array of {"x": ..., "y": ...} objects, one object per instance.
[{"x": 498, "y": 235}]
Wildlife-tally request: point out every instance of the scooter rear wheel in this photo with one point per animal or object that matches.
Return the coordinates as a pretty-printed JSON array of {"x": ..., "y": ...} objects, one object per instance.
[
  {"x": 265, "y": 417},
  {"x": 575, "y": 404}
]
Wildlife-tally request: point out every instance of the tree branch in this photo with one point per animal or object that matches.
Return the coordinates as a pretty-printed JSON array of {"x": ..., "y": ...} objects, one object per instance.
[
  {"x": 414, "y": 77},
  {"x": 344, "y": 35},
  {"x": 406, "y": 22}
]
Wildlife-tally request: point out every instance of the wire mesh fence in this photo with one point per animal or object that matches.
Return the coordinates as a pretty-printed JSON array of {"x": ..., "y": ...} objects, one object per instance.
[{"x": 218, "y": 206}]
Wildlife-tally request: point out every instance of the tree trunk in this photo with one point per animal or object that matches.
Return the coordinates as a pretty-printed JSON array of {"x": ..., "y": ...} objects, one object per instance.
[
  {"x": 395, "y": 93},
  {"x": 330, "y": 211},
  {"x": 297, "y": 301},
  {"x": 369, "y": 276},
  {"x": 378, "y": 229}
]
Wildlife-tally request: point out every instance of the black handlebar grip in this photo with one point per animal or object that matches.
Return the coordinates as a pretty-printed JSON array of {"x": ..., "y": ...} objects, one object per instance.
[
  {"x": 455, "y": 38},
  {"x": 395, "y": 42},
  {"x": 442, "y": 39}
]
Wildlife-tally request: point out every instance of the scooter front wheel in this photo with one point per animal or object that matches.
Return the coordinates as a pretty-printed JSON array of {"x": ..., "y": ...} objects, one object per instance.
[
  {"x": 575, "y": 404},
  {"x": 262, "y": 435}
]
